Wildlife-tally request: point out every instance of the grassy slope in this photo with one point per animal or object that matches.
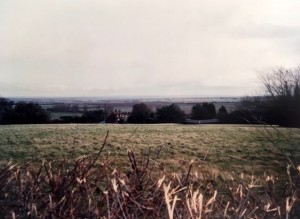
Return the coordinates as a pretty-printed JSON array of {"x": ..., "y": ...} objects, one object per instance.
[{"x": 223, "y": 147}]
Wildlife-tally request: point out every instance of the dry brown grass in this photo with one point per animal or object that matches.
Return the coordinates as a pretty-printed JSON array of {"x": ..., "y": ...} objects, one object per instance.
[{"x": 92, "y": 187}]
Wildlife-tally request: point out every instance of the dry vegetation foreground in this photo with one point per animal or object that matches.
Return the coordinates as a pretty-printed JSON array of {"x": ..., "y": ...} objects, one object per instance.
[
  {"x": 145, "y": 171},
  {"x": 225, "y": 148}
]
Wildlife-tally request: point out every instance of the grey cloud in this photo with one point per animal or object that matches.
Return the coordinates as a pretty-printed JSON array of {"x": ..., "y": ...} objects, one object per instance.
[
  {"x": 267, "y": 31},
  {"x": 122, "y": 47}
]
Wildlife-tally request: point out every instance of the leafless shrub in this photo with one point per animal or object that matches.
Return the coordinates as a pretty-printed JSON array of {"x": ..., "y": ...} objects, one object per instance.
[{"x": 281, "y": 82}]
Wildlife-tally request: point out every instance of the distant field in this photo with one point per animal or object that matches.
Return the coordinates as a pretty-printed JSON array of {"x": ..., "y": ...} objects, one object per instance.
[
  {"x": 225, "y": 148},
  {"x": 54, "y": 115}
]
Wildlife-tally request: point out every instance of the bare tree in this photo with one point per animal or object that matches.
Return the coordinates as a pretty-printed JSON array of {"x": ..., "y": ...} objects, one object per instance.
[
  {"x": 282, "y": 104},
  {"x": 281, "y": 82}
]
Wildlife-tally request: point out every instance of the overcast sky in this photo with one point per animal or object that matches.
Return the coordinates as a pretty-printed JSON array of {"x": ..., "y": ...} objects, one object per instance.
[{"x": 144, "y": 47}]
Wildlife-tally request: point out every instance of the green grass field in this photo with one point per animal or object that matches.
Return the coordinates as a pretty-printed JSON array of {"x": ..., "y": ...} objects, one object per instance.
[
  {"x": 223, "y": 148},
  {"x": 54, "y": 115}
]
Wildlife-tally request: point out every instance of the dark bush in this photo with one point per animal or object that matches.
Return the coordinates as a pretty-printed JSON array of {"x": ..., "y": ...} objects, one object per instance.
[
  {"x": 140, "y": 114},
  {"x": 112, "y": 118},
  {"x": 222, "y": 114},
  {"x": 203, "y": 111},
  {"x": 6, "y": 107},
  {"x": 170, "y": 114},
  {"x": 242, "y": 117},
  {"x": 94, "y": 116},
  {"x": 26, "y": 113}
]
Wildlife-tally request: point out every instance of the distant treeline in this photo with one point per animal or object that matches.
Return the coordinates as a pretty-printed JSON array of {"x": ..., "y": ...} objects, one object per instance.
[
  {"x": 32, "y": 113},
  {"x": 254, "y": 110},
  {"x": 280, "y": 106},
  {"x": 22, "y": 113}
]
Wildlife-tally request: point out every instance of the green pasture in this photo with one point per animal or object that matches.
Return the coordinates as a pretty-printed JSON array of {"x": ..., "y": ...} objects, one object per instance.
[
  {"x": 54, "y": 115},
  {"x": 224, "y": 148}
]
